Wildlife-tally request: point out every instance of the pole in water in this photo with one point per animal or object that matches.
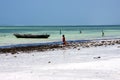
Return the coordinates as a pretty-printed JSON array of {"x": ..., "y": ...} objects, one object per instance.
[{"x": 60, "y": 31}]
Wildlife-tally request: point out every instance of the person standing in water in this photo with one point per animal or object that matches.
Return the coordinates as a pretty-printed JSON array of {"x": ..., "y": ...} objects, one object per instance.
[
  {"x": 80, "y": 31},
  {"x": 102, "y": 33},
  {"x": 63, "y": 39}
]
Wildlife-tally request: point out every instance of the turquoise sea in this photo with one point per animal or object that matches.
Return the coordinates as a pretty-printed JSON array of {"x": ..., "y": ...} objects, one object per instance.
[{"x": 89, "y": 32}]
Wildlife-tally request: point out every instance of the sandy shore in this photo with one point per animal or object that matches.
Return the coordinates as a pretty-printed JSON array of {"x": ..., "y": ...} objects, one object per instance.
[{"x": 83, "y": 61}]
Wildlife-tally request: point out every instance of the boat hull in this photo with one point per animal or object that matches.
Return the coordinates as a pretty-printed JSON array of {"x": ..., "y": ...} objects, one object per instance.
[{"x": 31, "y": 36}]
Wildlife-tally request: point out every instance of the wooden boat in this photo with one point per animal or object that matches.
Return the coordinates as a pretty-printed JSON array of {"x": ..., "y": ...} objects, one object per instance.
[{"x": 31, "y": 36}]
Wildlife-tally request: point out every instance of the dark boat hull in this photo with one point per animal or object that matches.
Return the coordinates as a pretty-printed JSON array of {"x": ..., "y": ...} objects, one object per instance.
[{"x": 31, "y": 36}]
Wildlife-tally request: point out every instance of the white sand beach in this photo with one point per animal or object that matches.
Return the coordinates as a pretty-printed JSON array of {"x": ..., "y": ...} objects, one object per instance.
[
  {"x": 94, "y": 63},
  {"x": 59, "y": 39}
]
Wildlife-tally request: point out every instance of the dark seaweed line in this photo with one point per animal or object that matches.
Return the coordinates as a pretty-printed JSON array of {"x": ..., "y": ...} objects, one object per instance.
[
  {"x": 36, "y": 47},
  {"x": 55, "y": 45}
]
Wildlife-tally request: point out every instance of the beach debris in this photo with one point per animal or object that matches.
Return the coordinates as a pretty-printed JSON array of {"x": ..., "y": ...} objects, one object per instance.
[
  {"x": 118, "y": 47},
  {"x": 13, "y": 52},
  {"x": 98, "y": 57},
  {"x": 87, "y": 46},
  {"x": 103, "y": 41},
  {"x": 49, "y": 61},
  {"x": 118, "y": 42},
  {"x": 78, "y": 48},
  {"x": 6, "y": 54},
  {"x": 74, "y": 47},
  {"x": 53, "y": 49},
  {"x": 15, "y": 56}
]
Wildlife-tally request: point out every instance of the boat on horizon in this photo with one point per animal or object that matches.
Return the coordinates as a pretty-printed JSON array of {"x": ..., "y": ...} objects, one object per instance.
[{"x": 31, "y": 35}]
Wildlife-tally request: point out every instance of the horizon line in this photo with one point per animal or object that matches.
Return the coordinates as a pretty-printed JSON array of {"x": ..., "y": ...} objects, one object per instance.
[{"x": 59, "y": 25}]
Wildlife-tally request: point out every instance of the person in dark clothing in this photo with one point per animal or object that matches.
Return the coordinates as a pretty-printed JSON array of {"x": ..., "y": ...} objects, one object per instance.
[
  {"x": 102, "y": 33},
  {"x": 63, "y": 39}
]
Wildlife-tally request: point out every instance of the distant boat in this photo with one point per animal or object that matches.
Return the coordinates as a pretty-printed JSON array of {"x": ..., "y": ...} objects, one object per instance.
[{"x": 31, "y": 36}]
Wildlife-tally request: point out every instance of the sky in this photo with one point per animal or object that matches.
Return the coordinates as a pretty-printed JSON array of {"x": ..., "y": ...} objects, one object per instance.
[{"x": 59, "y": 12}]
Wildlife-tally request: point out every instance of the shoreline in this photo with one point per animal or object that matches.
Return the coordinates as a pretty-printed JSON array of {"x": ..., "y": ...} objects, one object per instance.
[{"x": 57, "y": 45}]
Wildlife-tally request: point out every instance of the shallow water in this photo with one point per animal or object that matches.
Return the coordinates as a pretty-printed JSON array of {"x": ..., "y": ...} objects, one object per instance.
[{"x": 70, "y": 32}]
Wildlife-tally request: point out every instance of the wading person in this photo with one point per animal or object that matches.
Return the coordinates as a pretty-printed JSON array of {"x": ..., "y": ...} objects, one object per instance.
[
  {"x": 102, "y": 33},
  {"x": 80, "y": 31},
  {"x": 63, "y": 39}
]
